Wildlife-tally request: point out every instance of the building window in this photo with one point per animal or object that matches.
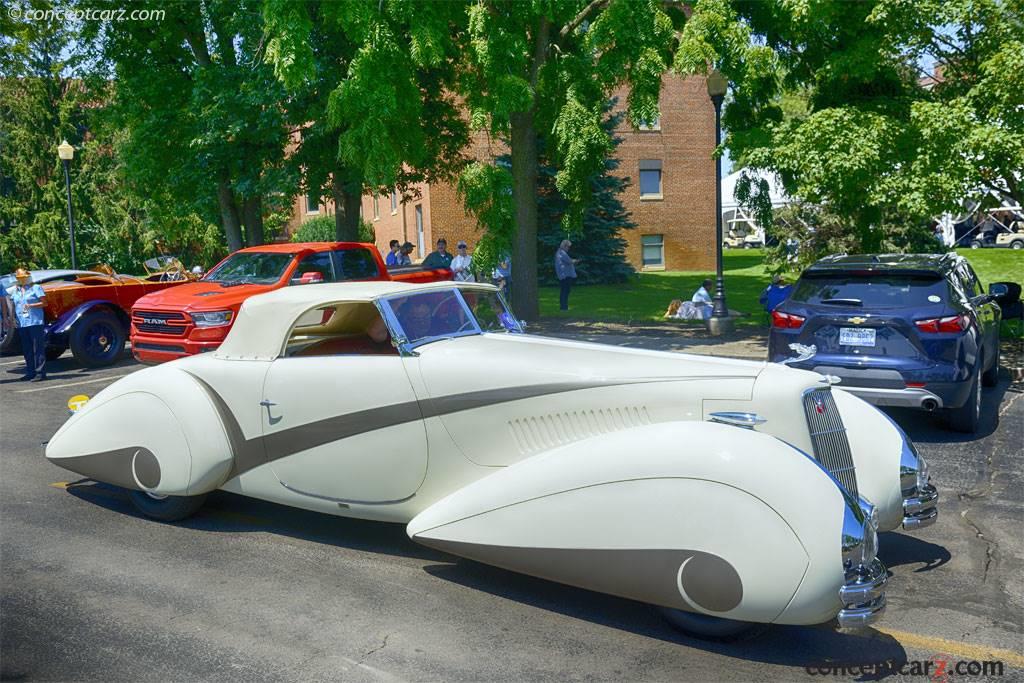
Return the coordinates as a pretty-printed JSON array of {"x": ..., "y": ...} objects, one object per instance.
[
  {"x": 653, "y": 124},
  {"x": 652, "y": 251},
  {"x": 394, "y": 202},
  {"x": 312, "y": 203},
  {"x": 376, "y": 208},
  {"x": 650, "y": 179}
]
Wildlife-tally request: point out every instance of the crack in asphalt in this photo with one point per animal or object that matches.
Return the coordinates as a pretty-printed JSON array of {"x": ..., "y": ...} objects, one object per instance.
[
  {"x": 368, "y": 654},
  {"x": 991, "y": 547}
]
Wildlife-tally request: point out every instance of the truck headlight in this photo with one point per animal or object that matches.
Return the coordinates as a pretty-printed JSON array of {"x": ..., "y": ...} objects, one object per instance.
[{"x": 212, "y": 318}]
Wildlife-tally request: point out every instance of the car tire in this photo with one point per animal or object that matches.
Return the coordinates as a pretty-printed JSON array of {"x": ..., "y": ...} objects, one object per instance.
[
  {"x": 990, "y": 377},
  {"x": 707, "y": 627},
  {"x": 97, "y": 340},
  {"x": 975, "y": 244},
  {"x": 166, "y": 508},
  {"x": 965, "y": 418},
  {"x": 10, "y": 343}
]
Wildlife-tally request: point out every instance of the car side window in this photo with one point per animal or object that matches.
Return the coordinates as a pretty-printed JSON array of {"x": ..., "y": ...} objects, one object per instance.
[
  {"x": 972, "y": 278},
  {"x": 355, "y": 264},
  {"x": 316, "y": 263},
  {"x": 352, "y": 329},
  {"x": 967, "y": 282}
]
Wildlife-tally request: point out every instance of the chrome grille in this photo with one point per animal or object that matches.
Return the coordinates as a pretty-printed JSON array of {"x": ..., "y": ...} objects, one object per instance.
[
  {"x": 828, "y": 437},
  {"x": 160, "y": 322}
]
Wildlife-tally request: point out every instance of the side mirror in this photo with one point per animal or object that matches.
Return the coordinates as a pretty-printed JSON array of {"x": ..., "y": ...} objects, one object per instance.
[
  {"x": 983, "y": 299},
  {"x": 998, "y": 289}
]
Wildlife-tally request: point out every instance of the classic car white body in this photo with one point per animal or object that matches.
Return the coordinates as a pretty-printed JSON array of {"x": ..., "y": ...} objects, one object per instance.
[{"x": 705, "y": 485}]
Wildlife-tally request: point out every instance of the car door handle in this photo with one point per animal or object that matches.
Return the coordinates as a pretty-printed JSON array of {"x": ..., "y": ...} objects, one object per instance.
[{"x": 266, "y": 403}]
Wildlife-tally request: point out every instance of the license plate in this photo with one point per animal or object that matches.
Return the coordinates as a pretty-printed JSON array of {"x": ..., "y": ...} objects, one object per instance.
[{"x": 856, "y": 336}]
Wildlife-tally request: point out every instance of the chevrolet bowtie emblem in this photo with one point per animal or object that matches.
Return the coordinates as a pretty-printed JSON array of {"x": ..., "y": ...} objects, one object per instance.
[{"x": 857, "y": 320}]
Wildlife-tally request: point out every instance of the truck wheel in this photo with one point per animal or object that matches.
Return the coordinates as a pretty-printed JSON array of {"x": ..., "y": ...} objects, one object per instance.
[
  {"x": 166, "y": 508},
  {"x": 9, "y": 341},
  {"x": 990, "y": 378},
  {"x": 55, "y": 351},
  {"x": 97, "y": 339},
  {"x": 965, "y": 418},
  {"x": 710, "y": 628}
]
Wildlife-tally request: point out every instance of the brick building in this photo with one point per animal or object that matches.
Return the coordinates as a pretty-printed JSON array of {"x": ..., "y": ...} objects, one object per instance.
[{"x": 671, "y": 196}]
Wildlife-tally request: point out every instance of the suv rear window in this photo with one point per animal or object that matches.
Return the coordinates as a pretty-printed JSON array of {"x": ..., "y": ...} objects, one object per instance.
[{"x": 871, "y": 289}]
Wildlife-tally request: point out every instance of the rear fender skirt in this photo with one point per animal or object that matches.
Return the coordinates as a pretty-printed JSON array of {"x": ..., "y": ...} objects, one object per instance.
[
  {"x": 690, "y": 515},
  {"x": 158, "y": 433}
]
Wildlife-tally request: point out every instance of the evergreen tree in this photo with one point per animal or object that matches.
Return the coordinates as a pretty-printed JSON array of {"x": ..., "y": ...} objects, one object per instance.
[{"x": 599, "y": 245}]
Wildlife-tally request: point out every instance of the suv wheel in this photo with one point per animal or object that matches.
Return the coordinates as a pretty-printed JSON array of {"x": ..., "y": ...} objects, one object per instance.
[
  {"x": 991, "y": 376},
  {"x": 965, "y": 418}
]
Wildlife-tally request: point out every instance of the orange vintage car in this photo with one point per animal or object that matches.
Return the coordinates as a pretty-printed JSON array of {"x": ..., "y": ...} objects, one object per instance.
[{"x": 89, "y": 311}]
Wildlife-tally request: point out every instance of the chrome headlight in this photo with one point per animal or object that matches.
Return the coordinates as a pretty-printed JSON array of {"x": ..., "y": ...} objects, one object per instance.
[
  {"x": 212, "y": 318},
  {"x": 860, "y": 535},
  {"x": 913, "y": 469}
]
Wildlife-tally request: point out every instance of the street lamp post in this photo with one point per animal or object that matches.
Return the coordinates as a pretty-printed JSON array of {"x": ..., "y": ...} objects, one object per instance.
[
  {"x": 720, "y": 322},
  {"x": 66, "y": 153}
]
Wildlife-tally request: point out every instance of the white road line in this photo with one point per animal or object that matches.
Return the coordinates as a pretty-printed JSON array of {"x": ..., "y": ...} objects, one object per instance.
[
  {"x": 72, "y": 384},
  {"x": 14, "y": 362}
]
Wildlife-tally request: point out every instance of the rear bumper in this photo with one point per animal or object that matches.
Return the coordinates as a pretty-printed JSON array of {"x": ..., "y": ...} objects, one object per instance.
[
  {"x": 899, "y": 398},
  {"x": 889, "y": 387}
]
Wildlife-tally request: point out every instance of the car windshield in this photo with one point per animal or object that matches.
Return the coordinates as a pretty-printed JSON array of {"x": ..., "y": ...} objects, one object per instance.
[
  {"x": 890, "y": 290},
  {"x": 251, "y": 267},
  {"x": 429, "y": 316}
]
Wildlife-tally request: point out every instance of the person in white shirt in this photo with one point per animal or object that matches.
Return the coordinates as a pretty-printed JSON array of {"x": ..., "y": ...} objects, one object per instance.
[
  {"x": 702, "y": 298},
  {"x": 462, "y": 264}
]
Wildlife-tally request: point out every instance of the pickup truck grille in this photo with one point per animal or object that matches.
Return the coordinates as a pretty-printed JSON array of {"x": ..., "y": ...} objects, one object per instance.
[
  {"x": 160, "y": 322},
  {"x": 828, "y": 437}
]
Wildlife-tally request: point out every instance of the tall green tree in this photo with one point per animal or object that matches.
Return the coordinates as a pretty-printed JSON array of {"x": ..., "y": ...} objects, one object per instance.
[
  {"x": 204, "y": 114},
  {"x": 880, "y": 142},
  {"x": 371, "y": 88}
]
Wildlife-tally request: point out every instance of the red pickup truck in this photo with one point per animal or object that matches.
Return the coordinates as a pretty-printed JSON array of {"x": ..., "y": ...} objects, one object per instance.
[{"x": 195, "y": 317}]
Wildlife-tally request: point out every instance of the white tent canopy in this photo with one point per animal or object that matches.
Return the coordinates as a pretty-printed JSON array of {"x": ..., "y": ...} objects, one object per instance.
[{"x": 775, "y": 191}]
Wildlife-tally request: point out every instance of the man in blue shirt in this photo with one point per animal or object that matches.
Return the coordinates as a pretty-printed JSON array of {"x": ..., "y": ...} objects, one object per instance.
[
  {"x": 775, "y": 293},
  {"x": 29, "y": 301},
  {"x": 565, "y": 271},
  {"x": 394, "y": 255}
]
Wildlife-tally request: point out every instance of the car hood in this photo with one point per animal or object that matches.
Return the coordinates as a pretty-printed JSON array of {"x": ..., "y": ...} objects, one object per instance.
[
  {"x": 512, "y": 359},
  {"x": 201, "y": 296}
]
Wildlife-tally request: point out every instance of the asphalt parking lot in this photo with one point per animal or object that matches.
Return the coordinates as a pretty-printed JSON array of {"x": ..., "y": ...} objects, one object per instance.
[{"x": 252, "y": 591}]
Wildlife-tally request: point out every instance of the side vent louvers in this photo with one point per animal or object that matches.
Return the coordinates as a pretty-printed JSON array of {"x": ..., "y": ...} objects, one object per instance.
[{"x": 535, "y": 434}]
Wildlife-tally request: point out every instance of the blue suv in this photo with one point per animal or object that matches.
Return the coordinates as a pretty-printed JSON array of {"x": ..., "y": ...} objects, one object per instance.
[{"x": 910, "y": 330}]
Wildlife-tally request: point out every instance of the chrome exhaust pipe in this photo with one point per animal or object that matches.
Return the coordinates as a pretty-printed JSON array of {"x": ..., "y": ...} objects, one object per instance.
[{"x": 929, "y": 404}]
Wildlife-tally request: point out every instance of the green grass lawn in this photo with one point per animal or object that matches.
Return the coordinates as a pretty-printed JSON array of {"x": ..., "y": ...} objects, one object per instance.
[{"x": 646, "y": 297}]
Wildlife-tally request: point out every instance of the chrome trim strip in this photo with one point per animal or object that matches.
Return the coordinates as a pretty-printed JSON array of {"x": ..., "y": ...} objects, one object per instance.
[{"x": 738, "y": 419}]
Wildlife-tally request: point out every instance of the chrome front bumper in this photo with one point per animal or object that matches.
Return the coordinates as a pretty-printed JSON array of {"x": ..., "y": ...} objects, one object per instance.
[
  {"x": 919, "y": 509},
  {"x": 863, "y": 595}
]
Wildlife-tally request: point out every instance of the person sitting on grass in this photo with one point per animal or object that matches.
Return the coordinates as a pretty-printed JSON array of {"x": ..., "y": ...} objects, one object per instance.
[{"x": 702, "y": 298}]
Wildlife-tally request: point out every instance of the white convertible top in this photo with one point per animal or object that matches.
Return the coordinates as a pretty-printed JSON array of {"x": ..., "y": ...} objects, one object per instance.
[{"x": 265, "y": 319}]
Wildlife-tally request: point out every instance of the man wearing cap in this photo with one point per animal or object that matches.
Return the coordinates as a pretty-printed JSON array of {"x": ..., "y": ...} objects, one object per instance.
[
  {"x": 29, "y": 301},
  {"x": 405, "y": 254},
  {"x": 441, "y": 258},
  {"x": 775, "y": 293},
  {"x": 462, "y": 264}
]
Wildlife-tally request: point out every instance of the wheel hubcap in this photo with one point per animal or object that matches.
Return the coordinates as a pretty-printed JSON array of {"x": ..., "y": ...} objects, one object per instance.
[{"x": 156, "y": 496}]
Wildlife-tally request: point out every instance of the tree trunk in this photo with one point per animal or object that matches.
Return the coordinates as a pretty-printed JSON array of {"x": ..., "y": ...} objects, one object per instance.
[
  {"x": 524, "y": 195},
  {"x": 229, "y": 213},
  {"x": 347, "y": 200},
  {"x": 252, "y": 212}
]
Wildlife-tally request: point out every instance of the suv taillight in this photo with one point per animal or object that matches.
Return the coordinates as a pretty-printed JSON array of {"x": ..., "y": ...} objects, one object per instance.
[
  {"x": 786, "y": 321},
  {"x": 952, "y": 323}
]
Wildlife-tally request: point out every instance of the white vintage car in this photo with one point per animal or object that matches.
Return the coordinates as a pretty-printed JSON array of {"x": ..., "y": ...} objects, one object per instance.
[{"x": 726, "y": 492}]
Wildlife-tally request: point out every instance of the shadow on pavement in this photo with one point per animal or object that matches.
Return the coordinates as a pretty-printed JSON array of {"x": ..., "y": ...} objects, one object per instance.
[
  {"x": 795, "y": 646},
  {"x": 930, "y": 427},
  {"x": 897, "y": 549}
]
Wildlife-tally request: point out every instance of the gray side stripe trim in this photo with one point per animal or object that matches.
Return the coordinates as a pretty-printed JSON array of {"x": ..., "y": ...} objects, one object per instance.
[{"x": 259, "y": 450}]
